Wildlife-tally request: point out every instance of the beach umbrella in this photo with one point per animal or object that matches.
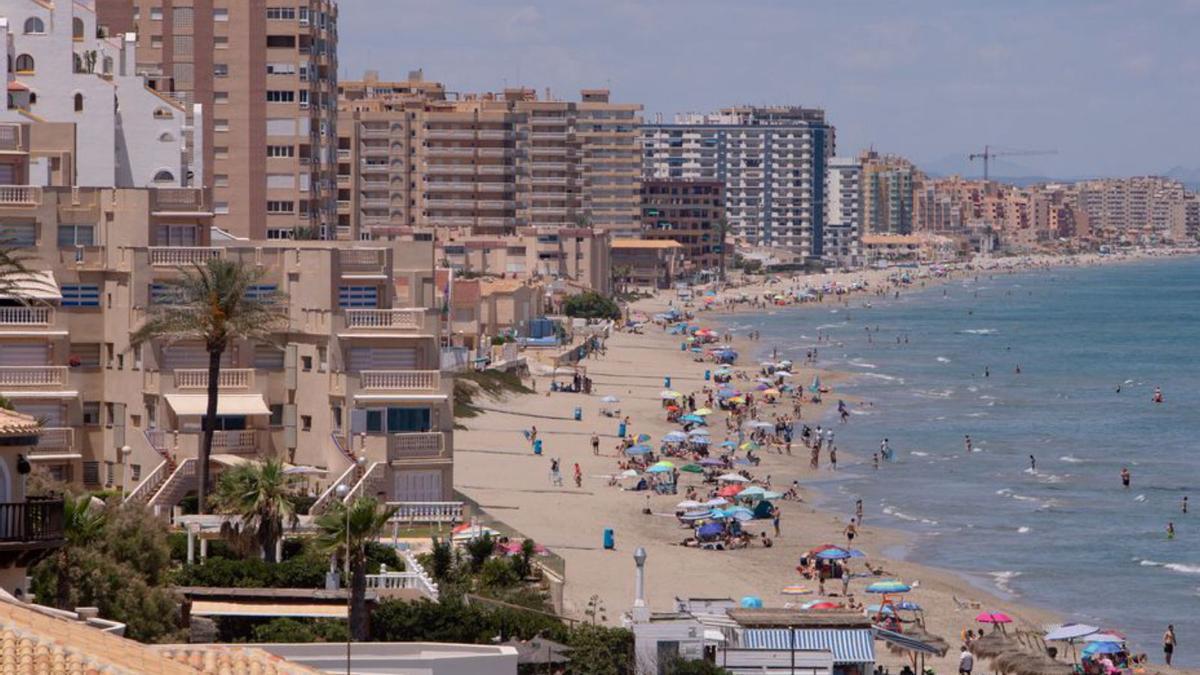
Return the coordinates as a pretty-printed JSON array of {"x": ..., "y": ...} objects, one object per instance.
[
  {"x": 795, "y": 590},
  {"x": 855, "y": 553},
  {"x": 658, "y": 469},
  {"x": 1070, "y": 631},
  {"x": 629, "y": 473},
  {"x": 691, "y": 468},
  {"x": 752, "y": 491},
  {"x": 750, "y": 446},
  {"x": 728, "y": 444},
  {"x": 764, "y": 380},
  {"x": 675, "y": 437},
  {"x": 474, "y": 532},
  {"x": 782, "y": 373},
  {"x": 699, "y": 431},
  {"x": 710, "y": 530},
  {"x": 709, "y": 461},
  {"x": 842, "y": 554},
  {"x": 303, "y": 470},
  {"x": 820, "y": 604},
  {"x": 1102, "y": 648},
  {"x": 716, "y": 501},
  {"x": 700, "y": 440},
  {"x": 702, "y": 412},
  {"x": 772, "y": 495},
  {"x": 740, "y": 513},
  {"x": 1105, "y": 636},
  {"x": 694, "y": 419},
  {"x": 908, "y": 606},
  {"x": 666, "y": 462},
  {"x": 736, "y": 399},
  {"x": 752, "y": 602},
  {"x": 733, "y": 478},
  {"x": 642, "y": 438},
  {"x": 879, "y": 609},
  {"x": 771, "y": 392},
  {"x": 816, "y": 384},
  {"x": 667, "y": 394},
  {"x": 762, "y": 386},
  {"x": 610, "y": 399},
  {"x": 890, "y": 586},
  {"x": 639, "y": 450},
  {"x": 688, "y": 504},
  {"x": 992, "y": 617},
  {"x": 729, "y": 490}
]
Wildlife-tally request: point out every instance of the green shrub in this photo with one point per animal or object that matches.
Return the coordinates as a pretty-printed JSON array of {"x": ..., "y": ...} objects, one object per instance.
[
  {"x": 303, "y": 571},
  {"x": 286, "y": 629},
  {"x": 591, "y": 305}
]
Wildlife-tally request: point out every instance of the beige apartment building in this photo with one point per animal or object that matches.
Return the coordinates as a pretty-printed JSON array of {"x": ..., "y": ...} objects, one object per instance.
[
  {"x": 354, "y": 374},
  {"x": 412, "y": 155},
  {"x": 576, "y": 254},
  {"x": 265, "y": 73}
]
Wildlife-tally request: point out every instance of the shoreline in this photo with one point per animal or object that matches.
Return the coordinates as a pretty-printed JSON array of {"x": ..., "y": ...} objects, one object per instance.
[{"x": 497, "y": 469}]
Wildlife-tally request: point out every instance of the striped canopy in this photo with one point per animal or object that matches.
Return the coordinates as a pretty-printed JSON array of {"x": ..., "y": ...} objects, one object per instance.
[{"x": 848, "y": 645}]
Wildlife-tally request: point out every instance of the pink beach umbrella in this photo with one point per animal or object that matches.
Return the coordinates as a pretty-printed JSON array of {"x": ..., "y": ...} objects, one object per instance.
[{"x": 994, "y": 618}]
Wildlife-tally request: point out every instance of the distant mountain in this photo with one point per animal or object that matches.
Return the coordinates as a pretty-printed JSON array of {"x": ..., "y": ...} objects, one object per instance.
[{"x": 1189, "y": 177}]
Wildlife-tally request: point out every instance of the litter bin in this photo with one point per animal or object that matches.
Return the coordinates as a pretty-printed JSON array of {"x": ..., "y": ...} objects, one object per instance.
[
  {"x": 707, "y": 375},
  {"x": 537, "y": 447},
  {"x": 610, "y": 542},
  {"x": 667, "y": 382},
  {"x": 683, "y": 346},
  {"x": 621, "y": 430},
  {"x": 578, "y": 414}
]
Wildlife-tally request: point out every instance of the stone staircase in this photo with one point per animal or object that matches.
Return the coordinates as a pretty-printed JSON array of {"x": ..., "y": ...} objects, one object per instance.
[{"x": 183, "y": 479}]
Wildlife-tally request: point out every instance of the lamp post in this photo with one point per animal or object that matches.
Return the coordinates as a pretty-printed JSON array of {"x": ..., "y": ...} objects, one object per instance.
[
  {"x": 125, "y": 451},
  {"x": 343, "y": 491},
  {"x": 640, "y": 613}
]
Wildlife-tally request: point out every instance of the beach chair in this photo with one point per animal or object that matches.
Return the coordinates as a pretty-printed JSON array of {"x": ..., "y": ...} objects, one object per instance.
[{"x": 966, "y": 604}]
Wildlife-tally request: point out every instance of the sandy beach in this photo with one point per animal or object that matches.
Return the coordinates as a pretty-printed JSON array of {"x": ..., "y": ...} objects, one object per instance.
[{"x": 497, "y": 468}]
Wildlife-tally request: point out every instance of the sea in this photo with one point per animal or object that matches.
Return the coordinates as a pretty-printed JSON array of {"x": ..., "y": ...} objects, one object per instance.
[{"x": 1091, "y": 344}]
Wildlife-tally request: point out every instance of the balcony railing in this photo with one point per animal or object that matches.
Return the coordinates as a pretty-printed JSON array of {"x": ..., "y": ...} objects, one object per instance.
[
  {"x": 394, "y": 319},
  {"x": 31, "y": 521},
  {"x": 362, "y": 259},
  {"x": 428, "y": 512},
  {"x": 20, "y": 195},
  {"x": 178, "y": 199},
  {"x": 414, "y": 445},
  {"x": 240, "y": 441},
  {"x": 230, "y": 378},
  {"x": 33, "y": 376},
  {"x": 400, "y": 380},
  {"x": 175, "y": 256},
  {"x": 26, "y": 316},
  {"x": 54, "y": 439}
]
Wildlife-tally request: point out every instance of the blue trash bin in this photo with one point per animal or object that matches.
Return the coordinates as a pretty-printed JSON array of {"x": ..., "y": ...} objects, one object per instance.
[
  {"x": 578, "y": 414},
  {"x": 537, "y": 447},
  {"x": 707, "y": 375},
  {"x": 667, "y": 382},
  {"x": 621, "y": 430},
  {"x": 610, "y": 541},
  {"x": 683, "y": 346}
]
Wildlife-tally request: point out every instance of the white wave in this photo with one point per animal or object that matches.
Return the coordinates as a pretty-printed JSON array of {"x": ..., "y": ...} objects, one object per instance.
[
  {"x": 918, "y": 453},
  {"x": 831, "y": 325},
  {"x": 862, "y": 364},
  {"x": 979, "y": 331},
  {"x": 1070, "y": 460},
  {"x": 1127, "y": 382},
  {"x": 942, "y": 359},
  {"x": 1004, "y": 579},
  {"x": 972, "y": 389},
  {"x": 1022, "y": 530},
  {"x": 1181, "y": 568},
  {"x": 923, "y": 393},
  {"x": 1140, "y": 498},
  {"x": 899, "y": 515},
  {"x": 977, "y": 414},
  {"x": 985, "y": 397},
  {"x": 881, "y": 376}
]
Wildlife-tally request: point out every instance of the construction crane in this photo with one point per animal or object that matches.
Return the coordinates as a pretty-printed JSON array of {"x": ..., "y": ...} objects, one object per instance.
[{"x": 988, "y": 155}]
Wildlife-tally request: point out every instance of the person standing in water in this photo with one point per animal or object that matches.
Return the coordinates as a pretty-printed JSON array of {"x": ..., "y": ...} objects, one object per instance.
[
  {"x": 1184, "y": 506},
  {"x": 1170, "y": 530},
  {"x": 1125, "y": 477},
  {"x": 967, "y": 442},
  {"x": 1032, "y": 463}
]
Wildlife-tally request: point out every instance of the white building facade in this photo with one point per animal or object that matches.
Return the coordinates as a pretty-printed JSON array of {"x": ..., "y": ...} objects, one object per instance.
[
  {"x": 772, "y": 161},
  {"x": 59, "y": 70},
  {"x": 843, "y": 211}
]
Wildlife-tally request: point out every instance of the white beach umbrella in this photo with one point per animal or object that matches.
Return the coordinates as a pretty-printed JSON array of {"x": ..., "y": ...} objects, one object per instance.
[
  {"x": 610, "y": 399},
  {"x": 733, "y": 478}
]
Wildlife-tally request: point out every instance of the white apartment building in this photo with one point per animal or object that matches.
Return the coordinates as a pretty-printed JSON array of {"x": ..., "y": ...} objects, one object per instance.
[
  {"x": 772, "y": 161},
  {"x": 59, "y": 70},
  {"x": 843, "y": 211}
]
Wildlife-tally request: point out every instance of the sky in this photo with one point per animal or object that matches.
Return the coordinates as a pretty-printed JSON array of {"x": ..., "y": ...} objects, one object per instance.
[{"x": 1113, "y": 86}]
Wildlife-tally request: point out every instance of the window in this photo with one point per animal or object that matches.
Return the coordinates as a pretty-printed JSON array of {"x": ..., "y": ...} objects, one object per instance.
[
  {"x": 220, "y": 15},
  {"x": 268, "y": 357},
  {"x": 262, "y": 292},
  {"x": 220, "y": 42},
  {"x": 156, "y": 41},
  {"x": 221, "y": 152},
  {"x": 220, "y": 70},
  {"x": 306, "y": 422},
  {"x": 164, "y": 294},
  {"x": 281, "y": 151},
  {"x": 24, "y": 64},
  {"x": 70, "y": 236},
  {"x": 166, "y": 137},
  {"x": 281, "y": 69},
  {"x": 221, "y": 208},
  {"x": 77, "y": 28},
  {"x": 18, "y": 234},
  {"x": 156, "y": 13},
  {"x": 358, "y": 296},
  {"x": 91, "y": 473},
  {"x": 175, "y": 235},
  {"x": 80, "y": 295},
  {"x": 91, "y": 413},
  {"x": 280, "y": 206},
  {"x": 281, "y": 41},
  {"x": 220, "y": 97},
  {"x": 306, "y": 363},
  {"x": 78, "y": 102},
  {"x": 34, "y": 25},
  {"x": 397, "y": 420},
  {"x": 281, "y": 13},
  {"x": 86, "y": 355},
  {"x": 220, "y": 180},
  {"x": 276, "y": 415},
  {"x": 280, "y": 233},
  {"x": 164, "y": 176},
  {"x": 273, "y": 95},
  {"x": 303, "y": 15},
  {"x": 135, "y": 473}
]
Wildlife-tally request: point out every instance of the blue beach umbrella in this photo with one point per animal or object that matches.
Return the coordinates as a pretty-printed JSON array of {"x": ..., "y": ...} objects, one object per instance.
[
  {"x": 751, "y": 602},
  {"x": 700, "y": 440},
  {"x": 840, "y": 554},
  {"x": 675, "y": 437},
  {"x": 639, "y": 450},
  {"x": 694, "y": 419},
  {"x": 891, "y": 586},
  {"x": 1102, "y": 648},
  {"x": 658, "y": 468},
  {"x": 728, "y": 444}
]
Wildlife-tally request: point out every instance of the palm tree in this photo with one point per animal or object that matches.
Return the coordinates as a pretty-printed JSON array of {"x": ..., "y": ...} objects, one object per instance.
[
  {"x": 13, "y": 268},
  {"x": 209, "y": 302},
  {"x": 82, "y": 525},
  {"x": 722, "y": 230},
  {"x": 263, "y": 497},
  {"x": 345, "y": 531}
]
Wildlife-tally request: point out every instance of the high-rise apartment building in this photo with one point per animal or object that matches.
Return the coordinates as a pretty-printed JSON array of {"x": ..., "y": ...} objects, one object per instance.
[
  {"x": 1141, "y": 208},
  {"x": 772, "y": 161},
  {"x": 887, "y": 194},
  {"x": 690, "y": 212},
  {"x": 410, "y": 156},
  {"x": 843, "y": 211},
  {"x": 62, "y": 68},
  {"x": 265, "y": 72}
]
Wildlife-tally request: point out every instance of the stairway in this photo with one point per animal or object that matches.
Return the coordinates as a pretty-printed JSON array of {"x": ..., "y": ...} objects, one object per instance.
[{"x": 181, "y": 481}]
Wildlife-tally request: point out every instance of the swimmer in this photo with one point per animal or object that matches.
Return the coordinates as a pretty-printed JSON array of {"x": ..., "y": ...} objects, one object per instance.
[
  {"x": 967, "y": 441},
  {"x": 1125, "y": 477},
  {"x": 1170, "y": 530},
  {"x": 1158, "y": 395},
  {"x": 1032, "y": 463}
]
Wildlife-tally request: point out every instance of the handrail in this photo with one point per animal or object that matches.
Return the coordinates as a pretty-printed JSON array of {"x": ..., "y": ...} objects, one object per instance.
[
  {"x": 361, "y": 485},
  {"x": 31, "y": 521},
  {"x": 330, "y": 493},
  {"x": 148, "y": 484},
  {"x": 186, "y": 469}
]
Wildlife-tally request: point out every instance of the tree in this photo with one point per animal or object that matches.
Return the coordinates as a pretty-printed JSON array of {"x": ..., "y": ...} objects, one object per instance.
[
  {"x": 13, "y": 269},
  {"x": 263, "y": 497},
  {"x": 480, "y": 549},
  {"x": 681, "y": 666},
  {"x": 441, "y": 559},
  {"x": 82, "y": 525},
  {"x": 591, "y": 305},
  {"x": 723, "y": 230},
  {"x": 620, "y": 277},
  {"x": 599, "y": 650},
  {"x": 211, "y": 302},
  {"x": 345, "y": 531}
]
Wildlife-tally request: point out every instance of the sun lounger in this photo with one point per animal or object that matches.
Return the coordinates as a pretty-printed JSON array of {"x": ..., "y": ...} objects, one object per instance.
[{"x": 966, "y": 604}]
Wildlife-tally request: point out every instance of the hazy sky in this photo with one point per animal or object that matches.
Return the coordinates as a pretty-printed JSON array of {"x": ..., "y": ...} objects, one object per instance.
[{"x": 1113, "y": 86}]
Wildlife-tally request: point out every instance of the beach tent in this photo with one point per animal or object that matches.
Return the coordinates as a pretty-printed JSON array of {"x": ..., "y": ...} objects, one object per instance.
[{"x": 763, "y": 510}]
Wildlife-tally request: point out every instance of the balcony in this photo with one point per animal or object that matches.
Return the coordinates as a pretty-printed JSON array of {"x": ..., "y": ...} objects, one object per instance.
[
  {"x": 495, "y": 134},
  {"x": 416, "y": 445},
  {"x": 20, "y": 195},
  {"x": 385, "y": 319},
  {"x": 449, "y": 152},
  {"x": 399, "y": 380},
  {"x": 375, "y": 132},
  {"x": 433, "y": 168},
  {"x": 11, "y": 138},
  {"x": 493, "y": 169},
  {"x": 26, "y": 316},
  {"x": 54, "y": 442},
  {"x": 230, "y": 378},
  {"x": 177, "y": 201},
  {"x": 33, "y": 376},
  {"x": 449, "y": 133},
  {"x": 28, "y": 528},
  {"x": 179, "y": 256},
  {"x": 495, "y": 152},
  {"x": 374, "y": 168},
  {"x": 362, "y": 260},
  {"x": 453, "y": 186}
]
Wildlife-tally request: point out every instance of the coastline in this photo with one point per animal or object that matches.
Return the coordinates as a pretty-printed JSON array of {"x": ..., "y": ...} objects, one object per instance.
[{"x": 497, "y": 469}]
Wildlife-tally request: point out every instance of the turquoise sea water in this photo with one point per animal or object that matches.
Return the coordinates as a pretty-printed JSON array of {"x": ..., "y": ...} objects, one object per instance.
[{"x": 1065, "y": 535}]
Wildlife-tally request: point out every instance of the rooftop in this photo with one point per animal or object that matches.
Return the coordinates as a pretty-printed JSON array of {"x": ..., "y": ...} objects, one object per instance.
[
  {"x": 17, "y": 424},
  {"x": 774, "y": 617},
  {"x": 646, "y": 243}
]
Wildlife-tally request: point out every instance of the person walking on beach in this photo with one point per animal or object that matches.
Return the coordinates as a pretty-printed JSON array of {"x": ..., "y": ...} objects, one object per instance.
[
  {"x": 595, "y": 443},
  {"x": 851, "y": 531},
  {"x": 555, "y": 473},
  {"x": 833, "y": 458},
  {"x": 884, "y": 450},
  {"x": 1033, "y": 463},
  {"x": 1125, "y": 477},
  {"x": 578, "y": 476},
  {"x": 533, "y": 435},
  {"x": 1169, "y": 643},
  {"x": 966, "y": 661},
  {"x": 775, "y": 513},
  {"x": 858, "y": 508}
]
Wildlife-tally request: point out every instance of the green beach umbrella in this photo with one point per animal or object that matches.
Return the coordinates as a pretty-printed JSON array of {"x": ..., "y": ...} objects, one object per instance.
[{"x": 692, "y": 468}]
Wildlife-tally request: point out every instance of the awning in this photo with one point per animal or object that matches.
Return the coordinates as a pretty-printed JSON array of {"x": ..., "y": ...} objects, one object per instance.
[
  {"x": 30, "y": 393},
  {"x": 32, "y": 285},
  {"x": 272, "y": 609},
  {"x": 225, "y": 459},
  {"x": 400, "y": 397},
  {"x": 849, "y": 645},
  {"x": 905, "y": 642},
  {"x": 227, "y": 404},
  {"x": 54, "y": 456}
]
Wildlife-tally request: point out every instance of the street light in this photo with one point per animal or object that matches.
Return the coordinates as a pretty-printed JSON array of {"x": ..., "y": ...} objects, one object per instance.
[
  {"x": 125, "y": 451},
  {"x": 343, "y": 491}
]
